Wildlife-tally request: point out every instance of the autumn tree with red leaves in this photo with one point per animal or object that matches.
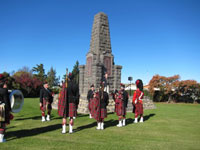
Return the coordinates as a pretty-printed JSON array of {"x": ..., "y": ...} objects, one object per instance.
[
  {"x": 27, "y": 83},
  {"x": 171, "y": 89},
  {"x": 188, "y": 90}
]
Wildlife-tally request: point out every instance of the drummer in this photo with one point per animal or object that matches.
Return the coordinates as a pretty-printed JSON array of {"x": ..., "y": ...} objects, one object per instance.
[{"x": 5, "y": 107}]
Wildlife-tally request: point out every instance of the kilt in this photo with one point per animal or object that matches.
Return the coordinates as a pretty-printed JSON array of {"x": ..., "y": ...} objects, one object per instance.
[
  {"x": 100, "y": 114},
  {"x": 103, "y": 113},
  {"x": 97, "y": 112},
  {"x": 120, "y": 109},
  {"x": 93, "y": 107},
  {"x": 139, "y": 109},
  {"x": 62, "y": 103},
  {"x": 72, "y": 110},
  {"x": 44, "y": 104}
]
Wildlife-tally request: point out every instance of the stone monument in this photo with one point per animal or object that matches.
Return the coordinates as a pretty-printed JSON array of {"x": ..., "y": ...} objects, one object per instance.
[{"x": 99, "y": 60}]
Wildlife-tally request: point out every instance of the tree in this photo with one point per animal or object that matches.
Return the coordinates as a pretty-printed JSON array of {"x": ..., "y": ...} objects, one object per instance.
[
  {"x": 165, "y": 86},
  {"x": 75, "y": 72},
  {"x": 189, "y": 90},
  {"x": 51, "y": 78},
  {"x": 27, "y": 83},
  {"x": 40, "y": 72},
  {"x": 170, "y": 88}
]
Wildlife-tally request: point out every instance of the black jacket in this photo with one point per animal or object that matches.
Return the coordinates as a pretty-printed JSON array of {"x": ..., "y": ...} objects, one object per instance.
[
  {"x": 90, "y": 95},
  {"x": 104, "y": 100},
  {"x": 125, "y": 98},
  {"x": 72, "y": 92},
  {"x": 47, "y": 94}
]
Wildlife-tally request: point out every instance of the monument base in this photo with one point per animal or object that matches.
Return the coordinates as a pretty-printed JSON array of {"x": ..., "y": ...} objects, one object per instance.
[{"x": 83, "y": 104}]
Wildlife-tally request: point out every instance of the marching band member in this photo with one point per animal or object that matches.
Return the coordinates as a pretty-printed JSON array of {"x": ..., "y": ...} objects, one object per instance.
[
  {"x": 99, "y": 103},
  {"x": 46, "y": 99},
  {"x": 5, "y": 108},
  {"x": 68, "y": 102},
  {"x": 137, "y": 101},
  {"x": 89, "y": 96},
  {"x": 121, "y": 101}
]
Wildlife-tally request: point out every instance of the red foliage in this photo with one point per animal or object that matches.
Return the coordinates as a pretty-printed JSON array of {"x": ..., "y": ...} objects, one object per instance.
[
  {"x": 172, "y": 86},
  {"x": 28, "y": 83}
]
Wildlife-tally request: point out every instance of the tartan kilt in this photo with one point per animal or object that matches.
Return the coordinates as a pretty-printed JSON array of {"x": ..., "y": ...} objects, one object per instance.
[
  {"x": 120, "y": 109},
  {"x": 139, "y": 109},
  {"x": 62, "y": 103},
  {"x": 93, "y": 107},
  {"x": 44, "y": 104},
  {"x": 100, "y": 114},
  {"x": 72, "y": 110},
  {"x": 103, "y": 113}
]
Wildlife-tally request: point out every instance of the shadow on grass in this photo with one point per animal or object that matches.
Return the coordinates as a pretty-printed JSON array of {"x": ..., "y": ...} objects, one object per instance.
[
  {"x": 110, "y": 123},
  {"x": 91, "y": 125},
  {"x": 37, "y": 118},
  {"x": 148, "y": 116},
  {"x": 33, "y": 118},
  {"x": 31, "y": 132}
]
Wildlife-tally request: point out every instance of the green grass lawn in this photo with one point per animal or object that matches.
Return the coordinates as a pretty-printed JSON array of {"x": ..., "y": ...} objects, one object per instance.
[{"x": 170, "y": 126}]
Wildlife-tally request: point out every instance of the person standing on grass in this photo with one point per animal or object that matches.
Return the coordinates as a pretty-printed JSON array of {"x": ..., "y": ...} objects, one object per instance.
[
  {"x": 99, "y": 103},
  {"x": 46, "y": 99},
  {"x": 137, "y": 101},
  {"x": 68, "y": 102},
  {"x": 5, "y": 108},
  {"x": 89, "y": 96},
  {"x": 121, "y": 101}
]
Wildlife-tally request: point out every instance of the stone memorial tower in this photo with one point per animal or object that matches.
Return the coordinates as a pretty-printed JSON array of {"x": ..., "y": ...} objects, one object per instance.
[{"x": 99, "y": 60}]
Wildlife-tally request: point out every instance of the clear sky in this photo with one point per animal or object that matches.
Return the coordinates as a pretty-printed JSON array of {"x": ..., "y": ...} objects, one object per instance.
[{"x": 148, "y": 37}]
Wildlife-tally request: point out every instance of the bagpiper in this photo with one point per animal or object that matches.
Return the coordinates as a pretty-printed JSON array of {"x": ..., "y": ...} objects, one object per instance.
[
  {"x": 99, "y": 103},
  {"x": 137, "y": 101},
  {"x": 90, "y": 95},
  {"x": 5, "y": 107},
  {"x": 68, "y": 102},
  {"x": 46, "y": 99},
  {"x": 121, "y": 102}
]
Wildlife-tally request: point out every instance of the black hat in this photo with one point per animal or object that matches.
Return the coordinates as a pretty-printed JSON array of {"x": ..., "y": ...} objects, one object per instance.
[
  {"x": 92, "y": 85},
  {"x": 139, "y": 84}
]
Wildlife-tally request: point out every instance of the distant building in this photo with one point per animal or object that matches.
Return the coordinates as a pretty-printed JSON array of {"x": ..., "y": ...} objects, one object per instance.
[{"x": 133, "y": 87}]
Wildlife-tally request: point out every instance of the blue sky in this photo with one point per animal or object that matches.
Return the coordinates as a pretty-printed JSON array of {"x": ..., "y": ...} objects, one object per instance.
[{"x": 148, "y": 37}]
